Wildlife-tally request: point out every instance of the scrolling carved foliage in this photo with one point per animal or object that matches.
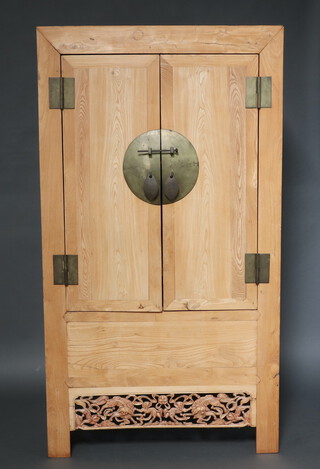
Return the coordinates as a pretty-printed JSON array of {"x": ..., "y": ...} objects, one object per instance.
[{"x": 163, "y": 410}]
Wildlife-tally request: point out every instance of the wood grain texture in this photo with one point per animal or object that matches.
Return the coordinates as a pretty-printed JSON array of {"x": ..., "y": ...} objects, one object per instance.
[
  {"x": 168, "y": 316},
  {"x": 159, "y": 39},
  {"x": 76, "y": 392},
  {"x": 96, "y": 349},
  {"x": 216, "y": 378},
  {"x": 51, "y": 181},
  {"x": 231, "y": 347},
  {"x": 270, "y": 174},
  {"x": 149, "y": 389},
  {"x": 116, "y": 235},
  {"x": 206, "y": 234}
]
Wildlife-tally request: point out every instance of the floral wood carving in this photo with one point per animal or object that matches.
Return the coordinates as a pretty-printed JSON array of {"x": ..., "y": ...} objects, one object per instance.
[{"x": 163, "y": 410}]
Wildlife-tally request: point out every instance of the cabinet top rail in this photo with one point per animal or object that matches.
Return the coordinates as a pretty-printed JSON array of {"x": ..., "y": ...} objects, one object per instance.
[{"x": 159, "y": 39}]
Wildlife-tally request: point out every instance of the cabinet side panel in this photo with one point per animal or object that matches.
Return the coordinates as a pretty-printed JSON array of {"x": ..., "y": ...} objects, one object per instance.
[
  {"x": 269, "y": 241},
  {"x": 51, "y": 181}
]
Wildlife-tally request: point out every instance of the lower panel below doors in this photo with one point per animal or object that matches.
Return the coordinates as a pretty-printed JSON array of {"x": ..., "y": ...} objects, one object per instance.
[{"x": 178, "y": 370}]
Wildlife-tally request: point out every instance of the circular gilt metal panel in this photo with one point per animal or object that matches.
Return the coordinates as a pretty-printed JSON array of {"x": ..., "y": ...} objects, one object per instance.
[{"x": 161, "y": 166}]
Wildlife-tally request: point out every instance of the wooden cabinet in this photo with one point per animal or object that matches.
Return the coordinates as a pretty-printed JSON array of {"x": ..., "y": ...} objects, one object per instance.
[{"x": 162, "y": 325}]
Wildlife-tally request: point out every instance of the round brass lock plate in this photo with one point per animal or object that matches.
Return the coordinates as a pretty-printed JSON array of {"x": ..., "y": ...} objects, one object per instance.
[{"x": 161, "y": 166}]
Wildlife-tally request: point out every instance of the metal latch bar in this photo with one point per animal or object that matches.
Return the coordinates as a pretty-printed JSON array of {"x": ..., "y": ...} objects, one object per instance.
[{"x": 150, "y": 151}]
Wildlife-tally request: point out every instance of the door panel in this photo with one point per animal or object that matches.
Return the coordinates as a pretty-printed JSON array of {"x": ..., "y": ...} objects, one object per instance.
[
  {"x": 206, "y": 234},
  {"x": 117, "y": 236}
]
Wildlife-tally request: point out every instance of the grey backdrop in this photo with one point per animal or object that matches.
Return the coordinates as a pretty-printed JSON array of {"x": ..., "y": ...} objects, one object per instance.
[{"x": 22, "y": 427}]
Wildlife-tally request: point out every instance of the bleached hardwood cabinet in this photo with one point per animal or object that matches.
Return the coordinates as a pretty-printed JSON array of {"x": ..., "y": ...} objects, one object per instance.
[{"x": 161, "y": 309}]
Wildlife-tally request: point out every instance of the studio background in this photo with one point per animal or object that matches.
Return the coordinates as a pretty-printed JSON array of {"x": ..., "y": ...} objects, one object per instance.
[{"x": 22, "y": 381}]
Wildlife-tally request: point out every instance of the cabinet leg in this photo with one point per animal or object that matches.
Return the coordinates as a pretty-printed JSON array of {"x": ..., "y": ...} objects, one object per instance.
[
  {"x": 59, "y": 444},
  {"x": 58, "y": 425},
  {"x": 266, "y": 443},
  {"x": 267, "y": 431}
]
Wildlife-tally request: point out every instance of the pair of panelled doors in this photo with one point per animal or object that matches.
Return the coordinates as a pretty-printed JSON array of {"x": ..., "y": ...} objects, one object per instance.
[
  {"x": 170, "y": 319},
  {"x": 187, "y": 255}
]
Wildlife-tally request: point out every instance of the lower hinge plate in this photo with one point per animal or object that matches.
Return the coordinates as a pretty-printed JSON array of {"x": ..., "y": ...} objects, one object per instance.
[
  {"x": 65, "y": 269},
  {"x": 257, "y": 268}
]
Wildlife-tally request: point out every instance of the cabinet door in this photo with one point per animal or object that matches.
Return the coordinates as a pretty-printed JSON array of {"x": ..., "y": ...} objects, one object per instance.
[
  {"x": 206, "y": 234},
  {"x": 117, "y": 236}
]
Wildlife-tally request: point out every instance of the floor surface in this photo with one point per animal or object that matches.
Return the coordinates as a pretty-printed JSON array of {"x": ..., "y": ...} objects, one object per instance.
[{"x": 23, "y": 441}]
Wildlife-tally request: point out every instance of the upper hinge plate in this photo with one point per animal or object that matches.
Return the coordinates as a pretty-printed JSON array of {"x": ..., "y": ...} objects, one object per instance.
[
  {"x": 61, "y": 93},
  {"x": 65, "y": 269},
  {"x": 258, "y": 92},
  {"x": 257, "y": 268}
]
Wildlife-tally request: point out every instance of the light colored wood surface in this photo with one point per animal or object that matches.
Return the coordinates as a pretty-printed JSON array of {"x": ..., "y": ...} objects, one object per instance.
[
  {"x": 159, "y": 39},
  {"x": 206, "y": 234},
  {"x": 270, "y": 174},
  {"x": 116, "y": 235},
  {"x": 145, "y": 389},
  {"x": 99, "y": 348},
  {"x": 169, "y": 316},
  {"x": 51, "y": 181},
  {"x": 74, "y": 393},
  {"x": 188, "y": 350},
  {"x": 128, "y": 378}
]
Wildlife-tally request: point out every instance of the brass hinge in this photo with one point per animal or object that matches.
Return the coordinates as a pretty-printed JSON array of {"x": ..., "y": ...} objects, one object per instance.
[
  {"x": 258, "y": 92},
  {"x": 65, "y": 270},
  {"x": 257, "y": 268},
  {"x": 61, "y": 93}
]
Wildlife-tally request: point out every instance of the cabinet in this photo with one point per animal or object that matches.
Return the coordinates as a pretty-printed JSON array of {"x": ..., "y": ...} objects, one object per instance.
[{"x": 155, "y": 314}]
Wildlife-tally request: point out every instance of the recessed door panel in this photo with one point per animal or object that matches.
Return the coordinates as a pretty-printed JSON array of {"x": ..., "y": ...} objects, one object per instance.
[
  {"x": 206, "y": 234},
  {"x": 116, "y": 235}
]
